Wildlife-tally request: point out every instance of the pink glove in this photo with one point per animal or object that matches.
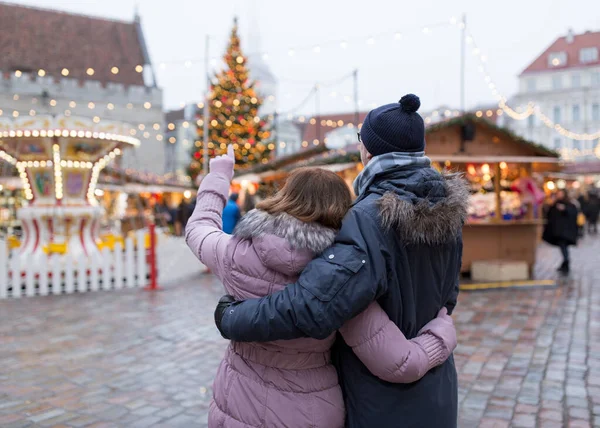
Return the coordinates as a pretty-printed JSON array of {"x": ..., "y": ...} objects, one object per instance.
[
  {"x": 224, "y": 164},
  {"x": 442, "y": 327}
]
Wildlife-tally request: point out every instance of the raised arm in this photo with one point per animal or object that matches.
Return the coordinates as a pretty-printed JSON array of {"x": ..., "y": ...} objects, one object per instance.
[
  {"x": 204, "y": 230},
  {"x": 386, "y": 352},
  {"x": 333, "y": 288}
]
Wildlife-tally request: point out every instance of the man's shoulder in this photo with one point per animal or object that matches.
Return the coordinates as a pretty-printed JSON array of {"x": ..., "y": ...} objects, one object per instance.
[
  {"x": 367, "y": 206},
  {"x": 364, "y": 215}
]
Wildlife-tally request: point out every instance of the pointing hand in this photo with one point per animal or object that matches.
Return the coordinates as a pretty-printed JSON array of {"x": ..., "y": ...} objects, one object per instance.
[{"x": 224, "y": 164}]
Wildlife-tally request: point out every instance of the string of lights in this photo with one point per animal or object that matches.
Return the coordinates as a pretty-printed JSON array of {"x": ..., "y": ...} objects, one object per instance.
[
  {"x": 531, "y": 107},
  {"x": 57, "y": 103},
  {"x": 147, "y": 130},
  {"x": 291, "y": 51},
  {"x": 115, "y": 69}
]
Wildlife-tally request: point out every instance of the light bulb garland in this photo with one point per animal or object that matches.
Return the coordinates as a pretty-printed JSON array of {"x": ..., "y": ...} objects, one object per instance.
[
  {"x": 116, "y": 69},
  {"x": 531, "y": 108},
  {"x": 58, "y": 186},
  {"x": 25, "y": 179}
]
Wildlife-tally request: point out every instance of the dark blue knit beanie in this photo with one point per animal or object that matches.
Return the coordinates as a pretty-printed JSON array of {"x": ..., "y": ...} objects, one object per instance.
[{"x": 394, "y": 128}]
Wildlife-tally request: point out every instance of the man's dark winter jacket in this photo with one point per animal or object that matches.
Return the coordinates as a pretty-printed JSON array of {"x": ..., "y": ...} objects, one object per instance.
[
  {"x": 561, "y": 225},
  {"x": 400, "y": 244}
]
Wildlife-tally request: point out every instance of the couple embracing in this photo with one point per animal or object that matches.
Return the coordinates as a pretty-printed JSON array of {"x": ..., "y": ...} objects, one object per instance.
[{"x": 338, "y": 312}]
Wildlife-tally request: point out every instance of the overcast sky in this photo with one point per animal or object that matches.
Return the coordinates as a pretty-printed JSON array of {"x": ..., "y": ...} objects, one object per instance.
[{"x": 510, "y": 33}]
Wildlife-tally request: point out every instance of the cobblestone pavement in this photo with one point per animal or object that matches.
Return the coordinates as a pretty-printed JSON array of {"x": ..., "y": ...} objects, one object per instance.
[{"x": 132, "y": 358}]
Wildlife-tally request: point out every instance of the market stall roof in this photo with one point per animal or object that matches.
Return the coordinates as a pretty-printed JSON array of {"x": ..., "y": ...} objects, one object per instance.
[
  {"x": 11, "y": 183},
  {"x": 282, "y": 161},
  {"x": 538, "y": 149},
  {"x": 495, "y": 159},
  {"x": 583, "y": 168},
  {"x": 251, "y": 178},
  {"x": 337, "y": 167},
  {"x": 141, "y": 188},
  {"x": 115, "y": 175}
]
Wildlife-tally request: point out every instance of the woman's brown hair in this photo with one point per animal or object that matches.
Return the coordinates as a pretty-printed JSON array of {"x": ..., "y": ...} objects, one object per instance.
[{"x": 311, "y": 195}]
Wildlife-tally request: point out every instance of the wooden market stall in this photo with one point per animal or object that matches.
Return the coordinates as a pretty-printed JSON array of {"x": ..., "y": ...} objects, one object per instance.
[{"x": 505, "y": 221}]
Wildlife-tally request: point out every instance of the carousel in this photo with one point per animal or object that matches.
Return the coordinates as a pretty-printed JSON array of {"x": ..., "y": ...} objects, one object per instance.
[{"x": 59, "y": 160}]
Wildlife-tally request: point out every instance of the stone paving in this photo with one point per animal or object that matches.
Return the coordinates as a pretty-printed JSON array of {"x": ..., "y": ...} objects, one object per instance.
[{"x": 526, "y": 358}]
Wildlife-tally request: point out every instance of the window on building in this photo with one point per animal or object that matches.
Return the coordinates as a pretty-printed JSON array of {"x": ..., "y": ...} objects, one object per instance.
[
  {"x": 596, "y": 112},
  {"x": 587, "y": 55},
  {"x": 531, "y": 85},
  {"x": 576, "y": 80},
  {"x": 556, "y": 143},
  {"x": 556, "y": 82},
  {"x": 556, "y": 114},
  {"x": 576, "y": 113},
  {"x": 596, "y": 78},
  {"x": 557, "y": 59}
]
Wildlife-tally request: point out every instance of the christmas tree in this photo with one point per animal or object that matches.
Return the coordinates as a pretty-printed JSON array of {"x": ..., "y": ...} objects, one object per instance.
[{"x": 233, "y": 110}]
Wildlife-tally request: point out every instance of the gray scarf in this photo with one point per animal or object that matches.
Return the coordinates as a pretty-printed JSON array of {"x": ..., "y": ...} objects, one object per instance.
[{"x": 384, "y": 163}]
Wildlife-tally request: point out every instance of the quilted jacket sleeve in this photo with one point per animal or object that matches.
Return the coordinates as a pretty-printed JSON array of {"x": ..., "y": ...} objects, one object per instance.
[
  {"x": 386, "y": 352},
  {"x": 332, "y": 289},
  {"x": 204, "y": 230}
]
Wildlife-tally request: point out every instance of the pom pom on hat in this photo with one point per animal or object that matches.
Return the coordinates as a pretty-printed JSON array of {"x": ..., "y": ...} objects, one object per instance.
[{"x": 410, "y": 103}]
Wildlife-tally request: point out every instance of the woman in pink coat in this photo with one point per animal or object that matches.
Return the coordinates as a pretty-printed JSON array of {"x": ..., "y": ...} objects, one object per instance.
[{"x": 293, "y": 383}]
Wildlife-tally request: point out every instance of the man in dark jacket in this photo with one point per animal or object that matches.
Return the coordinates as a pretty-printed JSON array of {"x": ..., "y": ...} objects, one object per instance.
[
  {"x": 401, "y": 245},
  {"x": 561, "y": 227},
  {"x": 593, "y": 212}
]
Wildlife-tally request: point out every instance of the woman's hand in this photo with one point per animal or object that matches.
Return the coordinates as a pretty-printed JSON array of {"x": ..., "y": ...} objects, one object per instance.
[
  {"x": 224, "y": 164},
  {"x": 443, "y": 328}
]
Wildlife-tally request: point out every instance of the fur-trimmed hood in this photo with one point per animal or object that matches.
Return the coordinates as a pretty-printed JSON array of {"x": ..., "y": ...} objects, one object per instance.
[
  {"x": 300, "y": 235},
  {"x": 424, "y": 220},
  {"x": 283, "y": 242}
]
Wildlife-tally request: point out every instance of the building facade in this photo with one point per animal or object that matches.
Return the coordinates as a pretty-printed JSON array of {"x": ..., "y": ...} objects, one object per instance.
[
  {"x": 564, "y": 84},
  {"x": 67, "y": 64},
  {"x": 181, "y": 134}
]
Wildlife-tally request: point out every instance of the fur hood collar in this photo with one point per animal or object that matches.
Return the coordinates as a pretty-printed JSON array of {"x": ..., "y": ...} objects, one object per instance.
[
  {"x": 299, "y": 235},
  {"x": 425, "y": 221}
]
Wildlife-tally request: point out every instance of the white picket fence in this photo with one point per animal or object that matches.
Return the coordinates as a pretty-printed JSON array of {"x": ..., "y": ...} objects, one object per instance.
[{"x": 122, "y": 268}]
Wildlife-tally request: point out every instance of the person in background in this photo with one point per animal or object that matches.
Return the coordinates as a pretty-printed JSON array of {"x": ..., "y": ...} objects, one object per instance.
[
  {"x": 561, "y": 227},
  {"x": 581, "y": 203},
  {"x": 592, "y": 212},
  {"x": 231, "y": 214},
  {"x": 548, "y": 202},
  {"x": 249, "y": 199},
  {"x": 184, "y": 211},
  {"x": 163, "y": 214}
]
